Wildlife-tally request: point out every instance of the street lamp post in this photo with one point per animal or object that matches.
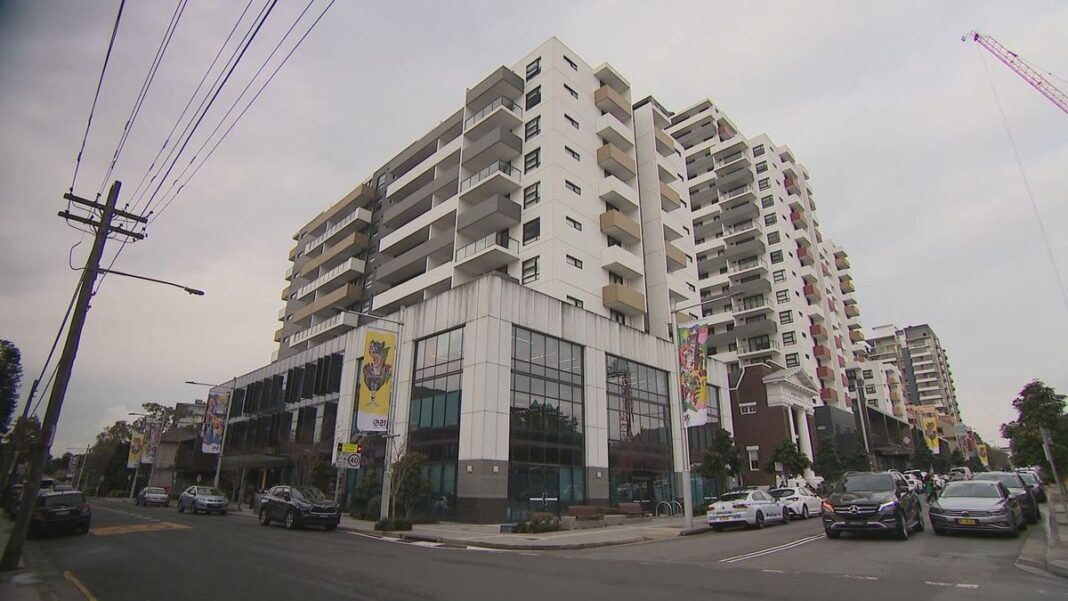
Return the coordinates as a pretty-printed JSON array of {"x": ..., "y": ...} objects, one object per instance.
[{"x": 226, "y": 423}]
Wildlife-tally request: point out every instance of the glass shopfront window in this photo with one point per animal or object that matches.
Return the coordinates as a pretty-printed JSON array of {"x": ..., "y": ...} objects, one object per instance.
[
  {"x": 639, "y": 434},
  {"x": 546, "y": 455},
  {"x": 434, "y": 417}
]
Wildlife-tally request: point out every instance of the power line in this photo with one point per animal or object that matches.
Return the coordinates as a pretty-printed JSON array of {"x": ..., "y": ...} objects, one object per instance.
[{"x": 96, "y": 96}]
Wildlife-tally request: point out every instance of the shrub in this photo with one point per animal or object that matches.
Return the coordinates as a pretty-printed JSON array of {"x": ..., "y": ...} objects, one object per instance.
[{"x": 397, "y": 524}]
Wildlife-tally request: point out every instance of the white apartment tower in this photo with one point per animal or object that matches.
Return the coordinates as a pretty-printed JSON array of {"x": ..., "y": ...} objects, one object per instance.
[{"x": 923, "y": 363}]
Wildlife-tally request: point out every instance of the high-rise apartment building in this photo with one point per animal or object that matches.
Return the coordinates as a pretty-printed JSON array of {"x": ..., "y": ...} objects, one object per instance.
[
  {"x": 548, "y": 174},
  {"x": 772, "y": 287},
  {"x": 922, "y": 361}
]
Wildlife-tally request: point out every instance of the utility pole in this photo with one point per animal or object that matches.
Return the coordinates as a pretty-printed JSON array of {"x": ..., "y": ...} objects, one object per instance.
[{"x": 104, "y": 229}]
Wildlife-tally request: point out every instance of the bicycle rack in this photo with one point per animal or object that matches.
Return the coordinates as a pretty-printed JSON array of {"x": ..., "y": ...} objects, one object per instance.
[
  {"x": 677, "y": 507},
  {"x": 670, "y": 509}
]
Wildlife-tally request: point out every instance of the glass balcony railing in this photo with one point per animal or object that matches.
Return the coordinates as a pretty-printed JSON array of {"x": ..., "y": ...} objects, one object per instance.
[
  {"x": 506, "y": 242},
  {"x": 744, "y": 265},
  {"x": 736, "y": 192},
  {"x": 757, "y": 347},
  {"x": 497, "y": 166},
  {"x": 729, "y": 159},
  {"x": 502, "y": 101}
]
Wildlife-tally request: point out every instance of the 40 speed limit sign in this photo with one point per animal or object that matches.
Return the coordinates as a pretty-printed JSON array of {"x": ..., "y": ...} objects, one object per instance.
[{"x": 349, "y": 455}]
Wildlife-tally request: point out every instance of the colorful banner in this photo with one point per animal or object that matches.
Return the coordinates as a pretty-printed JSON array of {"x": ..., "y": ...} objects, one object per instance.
[
  {"x": 148, "y": 455},
  {"x": 984, "y": 456},
  {"x": 929, "y": 423},
  {"x": 376, "y": 381},
  {"x": 693, "y": 375},
  {"x": 211, "y": 434},
  {"x": 72, "y": 466},
  {"x": 137, "y": 444}
]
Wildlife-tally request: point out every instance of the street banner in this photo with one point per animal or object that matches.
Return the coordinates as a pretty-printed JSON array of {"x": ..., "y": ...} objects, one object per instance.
[
  {"x": 376, "y": 381},
  {"x": 72, "y": 466},
  {"x": 137, "y": 444},
  {"x": 693, "y": 375},
  {"x": 984, "y": 457},
  {"x": 152, "y": 433},
  {"x": 930, "y": 432},
  {"x": 211, "y": 435}
]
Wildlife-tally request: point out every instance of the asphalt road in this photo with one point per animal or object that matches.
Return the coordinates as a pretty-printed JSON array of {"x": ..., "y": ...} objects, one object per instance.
[{"x": 157, "y": 553}]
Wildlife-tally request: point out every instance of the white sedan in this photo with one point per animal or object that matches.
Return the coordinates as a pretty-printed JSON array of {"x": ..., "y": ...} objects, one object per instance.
[
  {"x": 800, "y": 501},
  {"x": 750, "y": 507}
]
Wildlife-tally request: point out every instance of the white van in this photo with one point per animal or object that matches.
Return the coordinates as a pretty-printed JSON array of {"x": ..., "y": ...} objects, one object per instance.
[{"x": 960, "y": 473}]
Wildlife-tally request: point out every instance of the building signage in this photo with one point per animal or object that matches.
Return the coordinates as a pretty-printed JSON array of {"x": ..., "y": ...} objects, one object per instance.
[
  {"x": 930, "y": 432},
  {"x": 137, "y": 444},
  {"x": 693, "y": 375},
  {"x": 376, "y": 381},
  {"x": 211, "y": 435}
]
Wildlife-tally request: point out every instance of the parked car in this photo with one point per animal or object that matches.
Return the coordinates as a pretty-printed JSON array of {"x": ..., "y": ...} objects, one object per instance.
[
  {"x": 800, "y": 501},
  {"x": 751, "y": 507},
  {"x": 960, "y": 473},
  {"x": 872, "y": 502},
  {"x": 152, "y": 495},
  {"x": 1019, "y": 490},
  {"x": 203, "y": 498},
  {"x": 1032, "y": 480},
  {"x": 64, "y": 510},
  {"x": 978, "y": 506},
  {"x": 297, "y": 506},
  {"x": 915, "y": 483},
  {"x": 13, "y": 494},
  {"x": 62, "y": 488}
]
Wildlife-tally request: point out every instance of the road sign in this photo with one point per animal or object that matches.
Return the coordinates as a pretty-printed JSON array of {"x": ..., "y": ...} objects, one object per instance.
[
  {"x": 353, "y": 461},
  {"x": 349, "y": 455}
]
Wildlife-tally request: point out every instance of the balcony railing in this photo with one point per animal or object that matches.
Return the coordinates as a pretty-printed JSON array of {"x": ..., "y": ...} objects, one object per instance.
[
  {"x": 745, "y": 348},
  {"x": 502, "y": 101},
  {"x": 358, "y": 214},
  {"x": 739, "y": 228},
  {"x": 750, "y": 304},
  {"x": 730, "y": 159},
  {"x": 489, "y": 241},
  {"x": 352, "y": 264},
  {"x": 744, "y": 265},
  {"x": 740, "y": 190},
  {"x": 488, "y": 171}
]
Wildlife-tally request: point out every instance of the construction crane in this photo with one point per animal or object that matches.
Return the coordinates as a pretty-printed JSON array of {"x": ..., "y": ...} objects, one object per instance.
[{"x": 1021, "y": 67}]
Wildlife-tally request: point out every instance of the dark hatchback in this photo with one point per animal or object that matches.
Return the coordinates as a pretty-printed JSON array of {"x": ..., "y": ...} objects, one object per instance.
[
  {"x": 1019, "y": 491},
  {"x": 872, "y": 502},
  {"x": 55, "y": 511},
  {"x": 297, "y": 506}
]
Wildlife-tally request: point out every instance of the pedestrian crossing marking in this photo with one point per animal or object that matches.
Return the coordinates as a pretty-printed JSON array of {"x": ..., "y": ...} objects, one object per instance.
[{"x": 131, "y": 528}]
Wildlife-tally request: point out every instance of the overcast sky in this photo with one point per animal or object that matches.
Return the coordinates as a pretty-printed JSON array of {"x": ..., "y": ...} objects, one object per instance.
[{"x": 894, "y": 117}]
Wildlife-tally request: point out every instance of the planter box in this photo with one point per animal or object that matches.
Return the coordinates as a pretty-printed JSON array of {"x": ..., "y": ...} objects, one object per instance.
[
  {"x": 568, "y": 522},
  {"x": 615, "y": 520}
]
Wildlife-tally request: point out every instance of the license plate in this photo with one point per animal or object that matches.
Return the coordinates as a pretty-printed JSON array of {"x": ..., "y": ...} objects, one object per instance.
[
  {"x": 967, "y": 522},
  {"x": 723, "y": 518},
  {"x": 855, "y": 522}
]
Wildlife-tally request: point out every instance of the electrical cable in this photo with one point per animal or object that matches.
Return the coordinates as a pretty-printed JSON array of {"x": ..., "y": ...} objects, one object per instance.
[{"x": 59, "y": 334}]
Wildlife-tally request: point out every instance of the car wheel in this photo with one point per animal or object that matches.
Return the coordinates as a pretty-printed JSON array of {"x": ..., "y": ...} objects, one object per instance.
[
  {"x": 938, "y": 531},
  {"x": 785, "y": 516},
  {"x": 330, "y": 527},
  {"x": 804, "y": 512},
  {"x": 832, "y": 534},
  {"x": 1014, "y": 528},
  {"x": 85, "y": 528},
  {"x": 181, "y": 508},
  {"x": 193, "y": 508},
  {"x": 902, "y": 527},
  {"x": 291, "y": 520},
  {"x": 264, "y": 520},
  {"x": 758, "y": 522},
  {"x": 1032, "y": 519},
  {"x": 919, "y": 522}
]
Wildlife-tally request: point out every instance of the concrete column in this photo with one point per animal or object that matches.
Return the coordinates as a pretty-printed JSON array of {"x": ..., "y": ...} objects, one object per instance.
[{"x": 805, "y": 442}]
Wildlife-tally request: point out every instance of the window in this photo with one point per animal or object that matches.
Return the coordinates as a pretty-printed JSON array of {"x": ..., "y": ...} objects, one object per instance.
[
  {"x": 533, "y": 128},
  {"x": 531, "y": 195},
  {"x": 786, "y": 317},
  {"x": 533, "y": 69},
  {"x": 774, "y": 238},
  {"x": 762, "y": 166},
  {"x": 782, "y": 296},
  {"x": 779, "y": 276},
  {"x": 533, "y": 98},
  {"x": 639, "y": 431},
  {"x": 776, "y": 257},
  {"x": 570, "y": 63},
  {"x": 767, "y": 201},
  {"x": 867, "y": 374},
  {"x": 617, "y": 316},
  {"x": 572, "y": 261},
  {"x": 770, "y": 219},
  {"x": 613, "y": 241},
  {"x": 758, "y": 150},
  {"x": 754, "y": 458},
  {"x": 531, "y": 230},
  {"x": 571, "y": 91},
  {"x": 747, "y": 408},
  {"x": 571, "y": 153},
  {"x": 571, "y": 121},
  {"x": 763, "y": 184},
  {"x": 789, "y": 338},
  {"x": 574, "y": 301},
  {"x": 792, "y": 360},
  {"x": 530, "y": 270},
  {"x": 573, "y": 223},
  {"x": 532, "y": 160},
  {"x": 572, "y": 186},
  {"x": 869, "y": 389},
  {"x": 615, "y": 278}
]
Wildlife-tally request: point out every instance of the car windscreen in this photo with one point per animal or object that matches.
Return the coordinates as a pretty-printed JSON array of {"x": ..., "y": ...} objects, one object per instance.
[
  {"x": 64, "y": 500},
  {"x": 734, "y": 496},
  {"x": 307, "y": 492},
  {"x": 971, "y": 489},
  {"x": 207, "y": 490},
  {"x": 1029, "y": 478},
  {"x": 1009, "y": 480},
  {"x": 867, "y": 483},
  {"x": 154, "y": 491},
  {"x": 779, "y": 493}
]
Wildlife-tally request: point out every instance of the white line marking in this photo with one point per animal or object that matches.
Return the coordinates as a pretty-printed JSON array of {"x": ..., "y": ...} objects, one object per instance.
[
  {"x": 971, "y": 586},
  {"x": 770, "y": 550},
  {"x": 489, "y": 550},
  {"x": 774, "y": 571},
  {"x": 938, "y": 583},
  {"x": 855, "y": 577},
  {"x": 425, "y": 543}
]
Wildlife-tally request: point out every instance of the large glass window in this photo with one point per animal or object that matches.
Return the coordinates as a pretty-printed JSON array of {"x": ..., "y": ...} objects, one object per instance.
[
  {"x": 434, "y": 416},
  {"x": 639, "y": 434},
  {"x": 546, "y": 453}
]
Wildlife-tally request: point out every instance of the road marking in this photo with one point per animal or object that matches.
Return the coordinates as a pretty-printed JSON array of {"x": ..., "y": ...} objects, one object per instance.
[
  {"x": 774, "y": 571},
  {"x": 856, "y": 577},
  {"x": 425, "y": 543},
  {"x": 78, "y": 585},
  {"x": 951, "y": 584},
  {"x": 770, "y": 550},
  {"x": 130, "y": 528}
]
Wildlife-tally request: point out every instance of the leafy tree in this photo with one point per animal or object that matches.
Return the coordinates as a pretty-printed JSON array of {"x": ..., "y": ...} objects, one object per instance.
[
  {"x": 18, "y": 445},
  {"x": 407, "y": 484},
  {"x": 794, "y": 462},
  {"x": 828, "y": 464},
  {"x": 10, "y": 376},
  {"x": 956, "y": 458},
  {"x": 858, "y": 460},
  {"x": 1038, "y": 406},
  {"x": 975, "y": 465},
  {"x": 363, "y": 498},
  {"x": 722, "y": 457}
]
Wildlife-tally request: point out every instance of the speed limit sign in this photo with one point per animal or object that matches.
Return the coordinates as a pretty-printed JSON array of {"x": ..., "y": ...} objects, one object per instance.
[{"x": 353, "y": 461}]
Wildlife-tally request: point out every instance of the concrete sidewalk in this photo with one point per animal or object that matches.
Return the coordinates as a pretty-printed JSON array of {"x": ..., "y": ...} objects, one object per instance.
[
  {"x": 36, "y": 579},
  {"x": 1049, "y": 553}
]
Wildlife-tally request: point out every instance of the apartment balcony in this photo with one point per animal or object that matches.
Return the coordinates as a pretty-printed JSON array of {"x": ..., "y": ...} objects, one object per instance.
[
  {"x": 821, "y": 351},
  {"x": 610, "y": 101},
  {"x": 739, "y": 212},
  {"x": 733, "y": 162},
  {"x": 343, "y": 296},
  {"x": 622, "y": 262},
  {"x": 496, "y": 178},
  {"x": 804, "y": 255},
  {"x": 737, "y": 196},
  {"x": 325, "y": 330},
  {"x": 746, "y": 348},
  {"x": 736, "y": 231},
  {"x": 817, "y": 331},
  {"x": 749, "y": 287},
  {"x": 791, "y": 185},
  {"x": 841, "y": 361},
  {"x": 502, "y": 113},
  {"x": 493, "y": 214},
  {"x": 286, "y": 292},
  {"x": 495, "y": 145},
  {"x": 852, "y": 311},
  {"x": 293, "y": 253},
  {"x": 618, "y": 194},
  {"x": 613, "y": 131},
  {"x": 841, "y": 262},
  {"x": 355, "y": 221},
  {"x": 676, "y": 258},
  {"x": 798, "y": 219},
  {"x": 748, "y": 267},
  {"x": 485, "y": 255},
  {"x": 824, "y": 373},
  {"x": 665, "y": 144},
  {"x": 359, "y": 197},
  {"x": 620, "y": 227},
  {"x": 753, "y": 246},
  {"x": 329, "y": 280},
  {"x": 283, "y": 312},
  {"x": 812, "y": 293},
  {"x": 760, "y": 327},
  {"x": 847, "y": 285},
  {"x": 666, "y": 173},
  {"x": 415, "y": 290},
  {"x": 617, "y": 162},
  {"x": 669, "y": 198},
  {"x": 751, "y": 306},
  {"x": 829, "y": 395},
  {"x": 619, "y": 297},
  {"x": 501, "y": 83},
  {"x": 397, "y": 268},
  {"x": 289, "y": 273},
  {"x": 710, "y": 265}
]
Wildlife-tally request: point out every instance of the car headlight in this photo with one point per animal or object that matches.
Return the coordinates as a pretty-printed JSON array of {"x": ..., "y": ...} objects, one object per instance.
[
  {"x": 936, "y": 510},
  {"x": 888, "y": 506},
  {"x": 1000, "y": 511}
]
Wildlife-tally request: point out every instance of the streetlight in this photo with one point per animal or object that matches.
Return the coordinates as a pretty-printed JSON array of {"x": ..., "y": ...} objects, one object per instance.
[
  {"x": 226, "y": 421},
  {"x": 192, "y": 291},
  {"x": 383, "y": 512}
]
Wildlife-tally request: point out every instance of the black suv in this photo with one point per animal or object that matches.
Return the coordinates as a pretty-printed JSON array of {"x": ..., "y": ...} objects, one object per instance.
[
  {"x": 872, "y": 502},
  {"x": 66, "y": 510},
  {"x": 297, "y": 506}
]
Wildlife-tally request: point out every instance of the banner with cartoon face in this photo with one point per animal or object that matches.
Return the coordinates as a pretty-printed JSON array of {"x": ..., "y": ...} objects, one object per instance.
[
  {"x": 930, "y": 432},
  {"x": 376, "y": 381}
]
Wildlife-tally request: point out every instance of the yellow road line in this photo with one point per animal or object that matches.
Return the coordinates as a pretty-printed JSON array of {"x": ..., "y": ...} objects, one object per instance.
[
  {"x": 78, "y": 585},
  {"x": 130, "y": 528}
]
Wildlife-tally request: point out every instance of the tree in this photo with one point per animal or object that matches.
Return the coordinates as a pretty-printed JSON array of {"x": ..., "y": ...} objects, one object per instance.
[
  {"x": 364, "y": 497},
  {"x": 858, "y": 460},
  {"x": 1038, "y": 406},
  {"x": 10, "y": 377},
  {"x": 828, "y": 464},
  {"x": 956, "y": 458},
  {"x": 922, "y": 457},
  {"x": 407, "y": 484},
  {"x": 787, "y": 459},
  {"x": 722, "y": 457},
  {"x": 18, "y": 445}
]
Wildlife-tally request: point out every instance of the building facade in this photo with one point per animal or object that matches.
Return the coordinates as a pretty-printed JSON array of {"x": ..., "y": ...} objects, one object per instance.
[{"x": 922, "y": 361}]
